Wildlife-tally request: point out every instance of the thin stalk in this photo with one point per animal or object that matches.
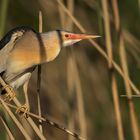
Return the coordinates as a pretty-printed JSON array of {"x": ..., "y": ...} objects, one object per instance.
[
  {"x": 107, "y": 32},
  {"x": 97, "y": 46},
  {"x": 25, "y": 134},
  {"x": 3, "y": 15},
  {"x": 18, "y": 104},
  {"x": 112, "y": 74},
  {"x": 71, "y": 126},
  {"x": 48, "y": 121},
  {"x": 69, "y": 26},
  {"x": 131, "y": 96},
  {"x": 116, "y": 15},
  {"x": 76, "y": 79},
  {"x": 30, "y": 121},
  {"x": 139, "y": 5},
  {"x": 7, "y": 128},
  {"x": 132, "y": 40},
  {"x": 39, "y": 76},
  {"x": 62, "y": 16},
  {"x": 128, "y": 90},
  {"x": 117, "y": 109},
  {"x": 63, "y": 19},
  {"x": 81, "y": 110},
  {"x": 125, "y": 69}
]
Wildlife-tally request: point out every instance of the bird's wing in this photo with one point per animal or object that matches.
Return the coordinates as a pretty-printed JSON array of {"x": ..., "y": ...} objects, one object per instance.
[
  {"x": 8, "y": 42},
  {"x": 6, "y": 49}
]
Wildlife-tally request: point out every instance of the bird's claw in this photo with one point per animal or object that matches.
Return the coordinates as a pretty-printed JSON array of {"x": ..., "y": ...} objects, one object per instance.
[
  {"x": 9, "y": 95},
  {"x": 23, "y": 110}
]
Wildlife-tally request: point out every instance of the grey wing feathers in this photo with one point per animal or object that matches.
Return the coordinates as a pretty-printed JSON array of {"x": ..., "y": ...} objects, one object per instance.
[
  {"x": 8, "y": 42},
  {"x": 4, "y": 55},
  {"x": 4, "y": 52}
]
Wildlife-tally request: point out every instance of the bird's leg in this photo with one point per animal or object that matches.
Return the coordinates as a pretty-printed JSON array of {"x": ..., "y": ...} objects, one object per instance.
[
  {"x": 25, "y": 89},
  {"x": 7, "y": 89},
  {"x": 9, "y": 92},
  {"x": 22, "y": 110}
]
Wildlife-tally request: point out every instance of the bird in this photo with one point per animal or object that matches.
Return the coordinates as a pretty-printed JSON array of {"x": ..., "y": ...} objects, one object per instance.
[{"x": 23, "y": 48}]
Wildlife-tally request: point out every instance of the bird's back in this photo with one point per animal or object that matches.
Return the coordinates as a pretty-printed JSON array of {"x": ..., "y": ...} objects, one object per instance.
[
  {"x": 18, "y": 30},
  {"x": 8, "y": 45},
  {"x": 8, "y": 42}
]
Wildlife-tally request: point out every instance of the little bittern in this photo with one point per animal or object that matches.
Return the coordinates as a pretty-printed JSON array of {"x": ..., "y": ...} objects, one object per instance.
[{"x": 23, "y": 48}]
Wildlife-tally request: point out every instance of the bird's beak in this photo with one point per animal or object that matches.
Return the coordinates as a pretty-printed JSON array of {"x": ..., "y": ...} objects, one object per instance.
[
  {"x": 83, "y": 36},
  {"x": 73, "y": 38}
]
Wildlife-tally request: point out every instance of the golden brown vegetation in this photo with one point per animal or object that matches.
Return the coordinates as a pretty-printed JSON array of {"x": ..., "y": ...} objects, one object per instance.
[{"x": 82, "y": 88}]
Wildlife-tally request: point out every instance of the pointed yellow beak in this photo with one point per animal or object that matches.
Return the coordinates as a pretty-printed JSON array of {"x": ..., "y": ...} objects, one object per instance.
[
  {"x": 72, "y": 38},
  {"x": 83, "y": 36}
]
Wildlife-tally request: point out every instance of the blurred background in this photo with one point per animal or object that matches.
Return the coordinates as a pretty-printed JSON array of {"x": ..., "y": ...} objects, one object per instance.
[{"x": 78, "y": 89}]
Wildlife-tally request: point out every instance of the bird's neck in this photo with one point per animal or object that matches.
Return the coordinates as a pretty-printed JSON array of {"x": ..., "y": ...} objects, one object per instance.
[{"x": 49, "y": 48}]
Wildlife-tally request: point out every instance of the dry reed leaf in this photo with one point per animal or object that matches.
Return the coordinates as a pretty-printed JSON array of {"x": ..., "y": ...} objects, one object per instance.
[{"x": 110, "y": 56}]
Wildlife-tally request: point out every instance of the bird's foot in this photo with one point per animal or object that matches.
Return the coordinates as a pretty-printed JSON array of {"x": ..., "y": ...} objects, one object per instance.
[
  {"x": 23, "y": 111},
  {"x": 10, "y": 94}
]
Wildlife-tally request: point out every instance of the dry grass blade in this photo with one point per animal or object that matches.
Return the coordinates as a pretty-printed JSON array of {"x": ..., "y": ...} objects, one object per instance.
[
  {"x": 135, "y": 54},
  {"x": 117, "y": 109},
  {"x": 116, "y": 15},
  {"x": 18, "y": 104},
  {"x": 128, "y": 91},
  {"x": 70, "y": 15},
  {"x": 126, "y": 73},
  {"x": 117, "y": 67},
  {"x": 71, "y": 126},
  {"x": 71, "y": 8},
  {"x": 134, "y": 44},
  {"x": 48, "y": 121},
  {"x": 132, "y": 40},
  {"x": 68, "y": 25},
  {"x": 25, "y": 134},
  {"x": 81, "y": 111},
  {"x": 113, "y": 79},
  {"x": 39, "y": 75},
  {"x": 131, "y": 96},
  {"x": 3, "y": 15},
  {"x": 62, "y": 16},
  {"x": 7, "y": 128},
  {"x": 98, "y": 47},
  {"x": 139, "y": 4},
  {"x": 76, "y": 79},
  {"x": 31, "y": 122},
  {"x": 107, "y": 32},
  {"x": 38, "y": 117},
  {"x": 77, "y": 85}
]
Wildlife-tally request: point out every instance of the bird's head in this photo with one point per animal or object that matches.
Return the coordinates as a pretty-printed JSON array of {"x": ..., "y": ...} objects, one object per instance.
[{"x": 71, "y": 38}]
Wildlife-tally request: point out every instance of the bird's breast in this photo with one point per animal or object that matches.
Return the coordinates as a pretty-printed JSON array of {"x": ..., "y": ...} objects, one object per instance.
[
  {"x": 20, "y": 81},
  {"x": 30, "y": 51},
  {"x": 52, "y": 53}
]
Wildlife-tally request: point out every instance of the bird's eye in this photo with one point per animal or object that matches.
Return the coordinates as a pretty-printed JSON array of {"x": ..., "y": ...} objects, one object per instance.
[{"x": 66, "y": 35}]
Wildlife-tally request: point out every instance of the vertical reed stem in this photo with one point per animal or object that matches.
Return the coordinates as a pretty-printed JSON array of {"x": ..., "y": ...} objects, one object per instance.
[
  {"x": 125, "y": 70},
  {"x": 23, "y": 131},
  {"x": 39, "y": 76},
  {"x": 7, "y": 128},
  {"x": 112, "y": 74},
  {"x": 3, "y": 15},
  {"x": 133, "y": 117}
]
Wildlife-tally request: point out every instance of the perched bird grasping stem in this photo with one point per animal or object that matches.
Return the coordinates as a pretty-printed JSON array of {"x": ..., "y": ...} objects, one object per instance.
[{"x": 23, "y": 48}]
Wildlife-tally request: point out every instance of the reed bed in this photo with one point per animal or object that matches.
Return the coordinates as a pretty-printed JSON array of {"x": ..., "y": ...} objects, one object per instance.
[{"x": 90, "y": 88}]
